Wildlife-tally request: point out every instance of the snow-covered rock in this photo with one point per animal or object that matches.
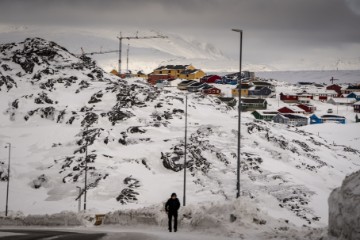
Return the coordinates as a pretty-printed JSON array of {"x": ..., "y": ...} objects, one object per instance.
[{"x": 344, "y": 209}]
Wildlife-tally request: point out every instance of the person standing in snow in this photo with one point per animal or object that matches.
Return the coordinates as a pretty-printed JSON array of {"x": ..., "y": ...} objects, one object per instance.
[{"x": 171, "y": 207}]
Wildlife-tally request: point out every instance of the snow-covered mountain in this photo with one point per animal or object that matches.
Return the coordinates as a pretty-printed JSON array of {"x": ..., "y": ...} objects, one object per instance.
[
  {"x": 144, "y": 54},
  {"x": 54, "y": 106}
]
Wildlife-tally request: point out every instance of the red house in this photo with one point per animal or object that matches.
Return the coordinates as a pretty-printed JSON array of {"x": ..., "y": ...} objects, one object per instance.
[
  {"x": 336, "y": 88},
  {"x": 289, "y": 97},
  {"x": 210, "y": 78},
  {"x": 212, "y": 91},
  {"x": 291, "y": 109},
  {"x": 307, "y": 107},
  {"x": 153, "y": 78}
]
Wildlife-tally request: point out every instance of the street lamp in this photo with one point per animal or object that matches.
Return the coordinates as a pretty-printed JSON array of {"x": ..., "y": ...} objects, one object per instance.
[
  {"x": 79, "y": 197},
  {"x": 184, "y": 200},
  {"x": 239, "y": 117},
  {"x": 86, "y": 168},
  {"x": 8, "y": 182}
]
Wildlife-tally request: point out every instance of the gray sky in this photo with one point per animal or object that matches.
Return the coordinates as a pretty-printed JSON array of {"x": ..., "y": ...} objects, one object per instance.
[{"x": 276, "y": 32}]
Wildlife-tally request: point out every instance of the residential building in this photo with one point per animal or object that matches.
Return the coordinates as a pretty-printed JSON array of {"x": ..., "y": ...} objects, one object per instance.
[
  {"x": 259, "y": 91},
  {"x": 355, "y": 95},
  {"x": 211, "y": 91},
  {"x": 291, "y": 119},
  {"x": 252, "y": 104},
  {"x": 244, "y": 90},
  {"x": 191, "y": 74},
  {"x": 173, "y": 70},
  {"x": 291, "y": 109},
  {"x": 264, "y": 114},
  {"x": 357, "y": 107},
  {"x": 342, "y": 101},
  {"x": 307, "y": 107},
  {"x": 264, "y": 84},
  {"x": 210, "y": 78},
  {"x": 336, "y": 88}
]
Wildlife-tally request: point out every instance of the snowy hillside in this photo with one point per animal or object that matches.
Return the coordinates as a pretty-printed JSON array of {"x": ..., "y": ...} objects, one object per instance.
[{"x": 53, "y": 104}]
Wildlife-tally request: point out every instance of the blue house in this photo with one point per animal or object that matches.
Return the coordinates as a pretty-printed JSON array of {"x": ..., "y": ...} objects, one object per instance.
[
  {"x": 355, "y": 95},
  {"x": 333, "y": 118},
  {"x": 327, "y": 118},
  {"x": 315, "y": 119}
]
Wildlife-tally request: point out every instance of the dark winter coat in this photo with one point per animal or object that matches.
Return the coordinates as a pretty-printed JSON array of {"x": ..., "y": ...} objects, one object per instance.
[{"x": 172, "y": 205}]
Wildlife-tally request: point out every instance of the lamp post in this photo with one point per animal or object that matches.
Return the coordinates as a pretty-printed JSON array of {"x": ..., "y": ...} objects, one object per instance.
[
  {"x": 86, "y": 168},
  {"x": 184, "y": 200},
  {"x": 8, "y": 182},
  {"x": 239, "y": 117},
  {"x": 79, "y": 205}
]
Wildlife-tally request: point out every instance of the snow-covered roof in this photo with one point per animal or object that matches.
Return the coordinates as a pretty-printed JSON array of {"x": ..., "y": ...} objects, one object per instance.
[
  {"x": 342, "y": 100},
  {"x": 320, "y": 91},
  {"x": 295, "y": 108},
  {"x": 357, "y": 103}
]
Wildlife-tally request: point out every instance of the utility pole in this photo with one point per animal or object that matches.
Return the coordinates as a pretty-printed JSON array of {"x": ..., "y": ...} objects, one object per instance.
[
  {"x": 239, "y": 117},
  {"x": 184, "y": 200},
  {"x": 8, "y": 182},
  {"x": 130, "y": 38}
]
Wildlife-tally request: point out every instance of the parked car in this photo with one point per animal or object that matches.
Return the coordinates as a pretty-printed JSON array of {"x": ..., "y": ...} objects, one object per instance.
[
  {"x": 184, "y": 84},
  {"x": 330, "y": 110},
  {"x": 195, "y": 87}
]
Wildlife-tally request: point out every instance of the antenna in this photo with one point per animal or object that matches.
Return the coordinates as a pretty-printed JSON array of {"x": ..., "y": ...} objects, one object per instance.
[{"x": 332, "y": 79}]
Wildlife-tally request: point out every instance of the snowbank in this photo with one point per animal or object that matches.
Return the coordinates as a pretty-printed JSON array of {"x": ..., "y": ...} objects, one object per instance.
[
  {"x": 68, "y": 219},
  {"x": 344, "y": 209}
]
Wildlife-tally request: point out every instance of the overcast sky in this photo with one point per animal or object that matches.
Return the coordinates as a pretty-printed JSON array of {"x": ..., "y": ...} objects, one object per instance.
[{"x": 276, "y": 32}]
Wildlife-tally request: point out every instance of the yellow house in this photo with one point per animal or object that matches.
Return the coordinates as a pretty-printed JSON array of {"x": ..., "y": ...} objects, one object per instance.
[
  {"x": 114, "y": 72},
  {"x": 173, "y": 70},
  {"x": 141, "y": 75},
  {"x": 244, "y": 90},
  {"x": 192, "y": 74}
]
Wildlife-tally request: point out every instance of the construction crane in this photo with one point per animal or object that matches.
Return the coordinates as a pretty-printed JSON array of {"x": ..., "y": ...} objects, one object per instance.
[
  {"x": 332, "y": 79},
  {"x": 130, "y": 38}
]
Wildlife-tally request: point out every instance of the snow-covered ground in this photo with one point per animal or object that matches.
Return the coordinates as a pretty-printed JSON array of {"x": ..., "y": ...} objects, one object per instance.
[{"x": 53, "y": 104}]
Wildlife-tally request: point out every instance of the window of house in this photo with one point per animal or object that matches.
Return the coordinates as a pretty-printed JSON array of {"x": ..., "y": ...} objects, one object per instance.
[{"x": 160, "y": 72}]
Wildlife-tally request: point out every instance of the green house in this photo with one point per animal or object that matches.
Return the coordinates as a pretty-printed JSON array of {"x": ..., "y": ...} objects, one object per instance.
[
  {"x": 252, "y": 104},
  {"x": 264, "y": 115}
]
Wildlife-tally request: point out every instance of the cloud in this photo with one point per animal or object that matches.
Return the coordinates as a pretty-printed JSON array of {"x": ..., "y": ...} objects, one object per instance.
[
  {"x": 354, "y": 5},
  {"x": 271, "y": 27}
]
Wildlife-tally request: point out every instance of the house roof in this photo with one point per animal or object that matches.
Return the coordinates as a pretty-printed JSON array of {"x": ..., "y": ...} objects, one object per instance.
[
  {"x": 244, "y": 86},
  {"x": 267, "y": 112},
  {"x": 357, "y": 103},
  {"x": 190, "y": 71},
  {"x": 332, "y": 116},
  {"x": 320, "y": 91},
  {"x": 353, "y": 87},
  {"x": 260, "y": 83},
  {"x": 292, "y": 116},
  {"x": 253, "y": 100},
  {"x": 342, "y": 100},
  {"x": 169, "y": 67},
  {"x": 294, "y": 108},
  {"x": 354, "y": 93},
  {"x": 306, "y": 105}
]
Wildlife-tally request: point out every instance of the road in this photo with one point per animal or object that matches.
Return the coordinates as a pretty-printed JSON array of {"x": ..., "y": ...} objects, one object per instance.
[
  {"x": 105, "y": 233},
  {"x": 45, "y": 234}
]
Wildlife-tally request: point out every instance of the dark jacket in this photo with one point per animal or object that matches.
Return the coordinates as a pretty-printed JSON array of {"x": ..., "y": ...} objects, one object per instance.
[{"x": 172, "y": 205}]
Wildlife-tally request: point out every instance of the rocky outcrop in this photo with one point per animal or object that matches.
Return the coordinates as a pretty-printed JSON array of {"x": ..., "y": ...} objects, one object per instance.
[{"x": 344, "y": 209}]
